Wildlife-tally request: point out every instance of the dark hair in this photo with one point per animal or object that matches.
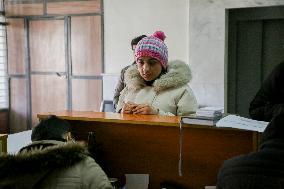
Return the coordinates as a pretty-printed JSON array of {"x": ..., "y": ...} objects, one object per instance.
[
  {"x": 137, "y": 39},
  {"x": 52, "y": 128}
]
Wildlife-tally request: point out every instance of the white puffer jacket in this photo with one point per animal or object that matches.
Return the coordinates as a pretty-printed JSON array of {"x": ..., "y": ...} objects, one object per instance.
[{"x": 170, "y": 93}]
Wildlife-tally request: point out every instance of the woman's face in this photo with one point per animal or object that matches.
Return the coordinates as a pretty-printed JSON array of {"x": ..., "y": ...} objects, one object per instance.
[{"x": 149, "y": 68}]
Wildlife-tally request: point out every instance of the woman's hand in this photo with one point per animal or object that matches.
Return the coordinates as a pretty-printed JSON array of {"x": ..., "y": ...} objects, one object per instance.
[
  {"x": 128, "y": 107},
  {"x": 145, "y": 109}
]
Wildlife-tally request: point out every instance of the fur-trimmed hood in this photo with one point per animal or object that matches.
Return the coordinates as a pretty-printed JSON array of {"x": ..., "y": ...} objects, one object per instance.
[
  {"x": 178, "y": 74},
  {"x": 35, "y": 160}
]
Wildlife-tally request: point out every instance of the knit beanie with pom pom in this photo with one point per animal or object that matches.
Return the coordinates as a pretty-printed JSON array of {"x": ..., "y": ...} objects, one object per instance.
[{"x": 153, "y": 46}]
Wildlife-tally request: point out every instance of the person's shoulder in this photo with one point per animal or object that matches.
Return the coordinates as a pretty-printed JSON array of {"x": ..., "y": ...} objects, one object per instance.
[
  {"x": 278, "y": 71},
  {"x": 281, "y": 65},
  {"x": 123, "y": 70}
]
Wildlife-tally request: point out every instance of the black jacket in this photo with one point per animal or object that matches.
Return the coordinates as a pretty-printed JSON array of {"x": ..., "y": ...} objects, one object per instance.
[
  {"x": 258, "y": 170},
  {"x": 269, "y": 100}
]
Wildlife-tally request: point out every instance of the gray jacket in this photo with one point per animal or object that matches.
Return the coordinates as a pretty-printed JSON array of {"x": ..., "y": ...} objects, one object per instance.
[
  {"x": 52, "y": 164},
  {"x": 119, "y": 86}
]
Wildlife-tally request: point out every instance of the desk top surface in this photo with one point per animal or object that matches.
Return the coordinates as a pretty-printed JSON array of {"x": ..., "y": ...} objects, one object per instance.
[
  {"x": 108, "y": 117},
  {"x": 114, "y": 117}
]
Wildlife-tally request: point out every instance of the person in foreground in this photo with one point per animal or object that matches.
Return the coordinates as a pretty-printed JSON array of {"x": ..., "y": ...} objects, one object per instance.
[
  {"x": 258, "y": 170},
  {"x": 269, "y": 100},
  {"x": 154, "y": 85},
  {"x": 52, "y": 160},
  {"x": 121, "y": 84}
]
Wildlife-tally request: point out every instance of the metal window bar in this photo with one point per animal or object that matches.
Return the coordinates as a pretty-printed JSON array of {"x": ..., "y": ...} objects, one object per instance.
[{"x": 3, "y": 59}]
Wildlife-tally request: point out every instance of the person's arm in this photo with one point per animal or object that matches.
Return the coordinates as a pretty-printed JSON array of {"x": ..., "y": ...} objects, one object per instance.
[
  {"x": 267, "y": 101},
  {"x": 119, "y": 87},
  {"x": 187, "y": 103}
]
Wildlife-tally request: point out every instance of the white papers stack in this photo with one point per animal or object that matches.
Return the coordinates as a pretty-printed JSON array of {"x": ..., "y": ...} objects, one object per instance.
[
  {"x": 210, "y": 112},
  {"x": 238, "y": 122}
]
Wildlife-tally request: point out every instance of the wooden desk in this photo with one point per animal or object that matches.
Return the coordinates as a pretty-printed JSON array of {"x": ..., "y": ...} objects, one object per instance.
[
  {"x": 150, "y": 144},
  {"x": 3, "y": 143}
]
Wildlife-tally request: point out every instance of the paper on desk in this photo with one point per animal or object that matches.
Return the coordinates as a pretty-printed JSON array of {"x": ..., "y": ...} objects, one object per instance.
[
  {"x": 137, "y": 181},
  {"x": 239, "y": 122}
]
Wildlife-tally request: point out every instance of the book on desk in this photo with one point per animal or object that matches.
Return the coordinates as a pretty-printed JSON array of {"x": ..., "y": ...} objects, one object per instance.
[
  {"x": 204, "y": 116},
  {"x": 200, "y": 120}
]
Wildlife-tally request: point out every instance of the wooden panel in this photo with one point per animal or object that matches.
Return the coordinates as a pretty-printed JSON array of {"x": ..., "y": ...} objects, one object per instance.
[
  {"x": 86, "y": 94},
  {"x": 16, "y": 51},
  {"x": 48, "y": 94},
  {"x": 73, "y": 7},
  {"x": 3, "y": 143},
  {"x": 18, "y": 105},
  {"x": 156, "y": 148},
  {"x": 47, "y": 47},
  {"x": 23, "y": 8},
  {"x": 4, "y": 121},
  {"x": 86, "y": 45}
]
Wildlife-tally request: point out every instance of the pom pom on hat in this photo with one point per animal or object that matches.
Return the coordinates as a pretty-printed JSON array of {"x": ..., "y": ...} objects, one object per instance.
[
  {"x": 160, "y": 35},
  {"x": 153, "y": 46}
]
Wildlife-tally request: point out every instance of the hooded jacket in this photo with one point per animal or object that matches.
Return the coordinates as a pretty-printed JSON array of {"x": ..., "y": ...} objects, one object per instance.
[
  {"x": 51, "y": 164},
  {"x": 169, "y": 93},
  {"x": 258, "y": 170}
]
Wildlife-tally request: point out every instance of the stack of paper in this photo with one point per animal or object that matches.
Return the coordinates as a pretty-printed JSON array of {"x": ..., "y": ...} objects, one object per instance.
[
  {"x": 210, "y": 112},
  {"x": 234, "y": 121}
]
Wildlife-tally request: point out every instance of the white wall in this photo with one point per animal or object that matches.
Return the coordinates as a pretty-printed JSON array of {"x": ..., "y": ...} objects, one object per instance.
[
  {"x": 195, "y": 32},
  {"x": 126, "y": 19},
  {"x": 207, "y": 45}
]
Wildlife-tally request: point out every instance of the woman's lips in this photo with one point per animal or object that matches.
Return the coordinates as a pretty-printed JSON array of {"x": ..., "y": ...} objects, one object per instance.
[{"x": 146, "y": 75}]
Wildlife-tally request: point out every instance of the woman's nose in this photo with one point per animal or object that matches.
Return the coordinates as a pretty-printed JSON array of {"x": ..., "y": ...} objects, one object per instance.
[{"x": 146, "y": 67}]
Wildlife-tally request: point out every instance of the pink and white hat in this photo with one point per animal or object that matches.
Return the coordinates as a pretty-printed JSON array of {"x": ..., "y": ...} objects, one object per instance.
[{"x": 153, "y": 46}]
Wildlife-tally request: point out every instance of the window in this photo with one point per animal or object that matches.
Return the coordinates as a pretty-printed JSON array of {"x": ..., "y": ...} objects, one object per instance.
[{"x": 3, "y": 60}]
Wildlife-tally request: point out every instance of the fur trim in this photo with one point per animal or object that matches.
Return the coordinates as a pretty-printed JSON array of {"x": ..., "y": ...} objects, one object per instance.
[
  {"x": 133, "y": 79},
  {"x": 39, "y": 160},
  {"x": 178, "y": 74}
]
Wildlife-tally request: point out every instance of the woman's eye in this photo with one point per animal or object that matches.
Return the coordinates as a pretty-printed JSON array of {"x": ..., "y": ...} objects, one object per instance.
[
  {"x": 140, "y": 61},
  {"x": 152, "y": 62}
]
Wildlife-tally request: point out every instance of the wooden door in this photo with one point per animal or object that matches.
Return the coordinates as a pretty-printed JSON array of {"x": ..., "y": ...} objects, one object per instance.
[
  {"x": 48, "y": 66},
  {"x": 255, "y": 47},
  {"x": 18, "y": 92},
  {"x": 86, "y": 58},
  {"x": 55, "y": 58}
]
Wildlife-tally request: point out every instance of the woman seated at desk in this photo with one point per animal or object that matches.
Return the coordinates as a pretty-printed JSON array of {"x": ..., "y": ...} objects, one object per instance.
[{"x": 154, "y": 86}]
